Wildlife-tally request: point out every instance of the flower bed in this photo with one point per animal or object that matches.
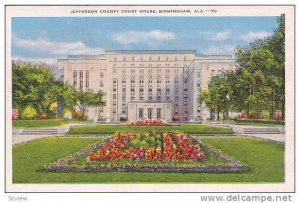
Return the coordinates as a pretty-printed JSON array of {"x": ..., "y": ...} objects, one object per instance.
[
  {"x": 166, "y": 152},
  {"x": 146, "y": 147},
  {"x": 149, "y": 123}
]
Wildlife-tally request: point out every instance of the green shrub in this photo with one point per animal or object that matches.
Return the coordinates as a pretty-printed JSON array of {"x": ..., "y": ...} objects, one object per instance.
[
  {"x": 158, "y": 143},
  {"x": 260, "y": 121},
  {"x": 151, "y": 140},
  {"x": 144, "y": 143},
  {"x": 135, "y": 143},
  {"x": 29, "y": 113},
  {"x": 123, "y": 118},
  {"x": 67, "y": 114},
  {"x": 265, "y": 115}
]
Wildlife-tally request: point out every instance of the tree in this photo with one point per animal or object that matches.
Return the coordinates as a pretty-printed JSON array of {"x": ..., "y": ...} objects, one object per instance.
[
  {"x": 98, "y": 101},
  {"x": 258, "y": 84}
]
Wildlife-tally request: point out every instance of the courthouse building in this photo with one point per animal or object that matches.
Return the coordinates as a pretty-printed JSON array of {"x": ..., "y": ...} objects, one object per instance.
[{"x": 160, "y": 84}]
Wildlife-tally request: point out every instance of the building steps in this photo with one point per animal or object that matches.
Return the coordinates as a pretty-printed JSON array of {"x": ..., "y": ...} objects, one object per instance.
[
  {"x": 40, "y": 131},
  {"x": 260, "y": 131}
]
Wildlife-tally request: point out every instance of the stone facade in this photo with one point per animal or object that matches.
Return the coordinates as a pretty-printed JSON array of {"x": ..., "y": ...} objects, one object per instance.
[{"x": 166, "y": 80}]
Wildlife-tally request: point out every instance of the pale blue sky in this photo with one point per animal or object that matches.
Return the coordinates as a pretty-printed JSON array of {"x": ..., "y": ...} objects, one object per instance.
[{"x": 47, "y": 39}]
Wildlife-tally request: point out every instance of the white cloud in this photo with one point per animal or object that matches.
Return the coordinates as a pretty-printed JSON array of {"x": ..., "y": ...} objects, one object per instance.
[
  {"x": 55, "y": 47},
  {"x": 218, "y": 36},
  {"x": 222, "y": 49},
  {"x": 250, "y": 36},
  {"x": 136, "y": 37}
]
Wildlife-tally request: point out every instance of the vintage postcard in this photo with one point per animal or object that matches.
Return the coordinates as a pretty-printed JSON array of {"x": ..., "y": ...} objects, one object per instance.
[{"x": 150, "y": 98}]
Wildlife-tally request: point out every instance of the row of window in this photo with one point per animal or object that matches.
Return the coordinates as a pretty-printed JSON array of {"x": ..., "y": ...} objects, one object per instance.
[
  {"x": 149, "y": 65},
  {"x": 150, "y": 58},
  {"x": 142, "y": 71},
  {"x": 81, "y": 74}
]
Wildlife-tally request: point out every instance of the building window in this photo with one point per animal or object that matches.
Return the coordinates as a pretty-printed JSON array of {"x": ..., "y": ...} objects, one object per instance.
[
  {"x": 75, "y": 84},
  {"x": 175, "y": 58},
  {"x": 81, "y": 74},
  {"x": 132, "y": 71},
  {"x": 87, "y": 84},
  {"x": 141, "y": 91},
  {"x": 124, "y": 59},
  {"x": 75, "y": 74},
  {"x": 141, "y": 113},
  {"x": 158, "y": 58},
  {"x": 149, "y": 98},
  {"x": 141, "y": 58},
  {"x": 149, "y": 58},
  {"x": 101, "y": 83},
  {"x": 158, "y": 113},
  {"x": 124, "y": 71},
  {"x": 114, "y": 96},
  {"x": 158, "y": 92},
  {"x": 115, "y": 58},
  {"x": 185, "y": 58},
  {"x": 114, "y": 70},
  {"x": 150, "y": 92},
  {"x": 141, "y": 71},
  {"x": 101, "y": 74},
  {"x": 168, "y": 92},
  {"x": 132, "y": 92},
  {"x": 150, "y": 113},
  {"x": 114, "y": 88}
]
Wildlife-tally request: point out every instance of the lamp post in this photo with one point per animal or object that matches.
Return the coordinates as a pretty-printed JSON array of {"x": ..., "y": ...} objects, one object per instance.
[{"x": 227, "y": 106}]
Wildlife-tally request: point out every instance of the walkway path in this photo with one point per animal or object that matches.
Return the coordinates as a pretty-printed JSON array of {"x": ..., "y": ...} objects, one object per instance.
[
  {"x": 239, "y": 131},
  {"x": 19, "y": 137}
]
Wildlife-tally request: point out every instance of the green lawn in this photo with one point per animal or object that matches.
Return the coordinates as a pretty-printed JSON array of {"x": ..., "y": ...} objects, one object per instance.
[
  {"x": 257, "y": 122},
  {"x": 110, "y": 129},
  {"x": 38, "y": 123},
  {"x": 265, "y": 159}
]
